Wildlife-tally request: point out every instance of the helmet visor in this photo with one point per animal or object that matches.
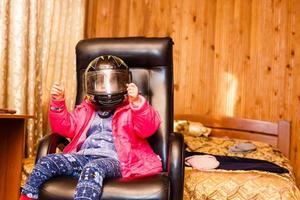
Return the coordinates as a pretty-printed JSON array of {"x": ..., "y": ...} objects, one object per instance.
[{"x": 107, "y": 81}]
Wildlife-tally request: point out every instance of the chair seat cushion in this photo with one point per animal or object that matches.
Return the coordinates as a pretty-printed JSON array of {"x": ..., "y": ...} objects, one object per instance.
[{"x": 150, "y": 187}]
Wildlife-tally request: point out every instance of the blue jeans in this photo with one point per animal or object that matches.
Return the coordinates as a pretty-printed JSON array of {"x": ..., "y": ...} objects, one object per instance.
[{"x": 91, "y": 171}]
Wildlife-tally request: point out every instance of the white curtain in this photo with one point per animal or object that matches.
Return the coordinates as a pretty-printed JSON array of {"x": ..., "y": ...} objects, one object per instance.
[{"x": 37, "y": 47}]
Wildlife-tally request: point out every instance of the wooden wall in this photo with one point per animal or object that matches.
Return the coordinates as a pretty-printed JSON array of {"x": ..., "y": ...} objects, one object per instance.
[{"x": 231, "y": 57}]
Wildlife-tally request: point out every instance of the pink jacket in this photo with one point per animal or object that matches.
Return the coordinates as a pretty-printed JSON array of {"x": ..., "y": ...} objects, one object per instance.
[{"x": 130, "y": 128}]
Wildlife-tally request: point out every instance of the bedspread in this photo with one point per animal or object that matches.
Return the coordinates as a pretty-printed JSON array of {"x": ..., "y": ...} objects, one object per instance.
[{"x": 238, "y": 184}]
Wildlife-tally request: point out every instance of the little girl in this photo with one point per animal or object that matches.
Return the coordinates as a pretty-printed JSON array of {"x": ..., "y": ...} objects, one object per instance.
[{"x": 107, "y": 132}]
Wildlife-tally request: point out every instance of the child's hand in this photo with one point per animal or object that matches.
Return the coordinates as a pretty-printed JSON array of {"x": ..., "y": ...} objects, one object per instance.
[
  {"x": 57, "y": 91},
  {"x": 133, "y": 94}
]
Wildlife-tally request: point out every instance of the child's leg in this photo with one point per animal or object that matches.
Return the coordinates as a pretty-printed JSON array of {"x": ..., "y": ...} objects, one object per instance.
[
  {"x": 90, "y": 181},
  {"x": 49, "y": 166}
]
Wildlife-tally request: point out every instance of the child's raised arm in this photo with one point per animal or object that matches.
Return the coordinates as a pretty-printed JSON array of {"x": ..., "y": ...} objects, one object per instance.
[
  {"x": 146, "y": 118},
  {"x": 61, "y": 121}
]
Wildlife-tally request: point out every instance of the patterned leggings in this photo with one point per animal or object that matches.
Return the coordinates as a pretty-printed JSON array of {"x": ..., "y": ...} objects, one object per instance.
[{"x": 91, "y": 171}]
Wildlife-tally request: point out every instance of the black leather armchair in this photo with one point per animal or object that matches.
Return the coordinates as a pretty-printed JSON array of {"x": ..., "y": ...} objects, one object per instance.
[{"x": 151, "y": 64}]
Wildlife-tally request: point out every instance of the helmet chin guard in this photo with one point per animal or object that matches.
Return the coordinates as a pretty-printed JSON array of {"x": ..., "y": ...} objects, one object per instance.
[
  {"x": 108, "y": 102},
  {"x": 105, "y": 81}
]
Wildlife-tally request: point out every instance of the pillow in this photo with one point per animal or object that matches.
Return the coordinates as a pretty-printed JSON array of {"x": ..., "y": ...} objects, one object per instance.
[
  {"x": 202, "y": 162},
  {"x": 191, "y": 128}
]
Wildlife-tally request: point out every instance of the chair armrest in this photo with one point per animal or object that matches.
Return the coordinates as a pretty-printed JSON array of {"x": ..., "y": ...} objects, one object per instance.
[
  {"x": 176, "y": 165},
  {"x": 49, "y": 143}
]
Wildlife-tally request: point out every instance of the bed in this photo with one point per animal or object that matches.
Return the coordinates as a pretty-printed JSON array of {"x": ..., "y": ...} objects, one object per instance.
[{"x": 215, "y": 135}]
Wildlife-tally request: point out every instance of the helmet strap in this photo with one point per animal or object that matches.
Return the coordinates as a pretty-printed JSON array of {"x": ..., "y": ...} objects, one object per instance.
[{"x": 105, "y": 113}]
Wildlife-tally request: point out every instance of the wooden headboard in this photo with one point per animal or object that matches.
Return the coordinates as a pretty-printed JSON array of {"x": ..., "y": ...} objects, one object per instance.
[{"x": 276, "y": 134}]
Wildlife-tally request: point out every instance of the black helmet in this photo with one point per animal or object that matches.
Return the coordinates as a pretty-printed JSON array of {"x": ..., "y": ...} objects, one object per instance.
[{"x": 105, "y": 81}]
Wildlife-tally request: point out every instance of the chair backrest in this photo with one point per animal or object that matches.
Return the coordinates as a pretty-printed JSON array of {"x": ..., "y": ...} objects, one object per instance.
[
  {"x": 276, "y": 134},
  {"x": 151, "y": 62}
]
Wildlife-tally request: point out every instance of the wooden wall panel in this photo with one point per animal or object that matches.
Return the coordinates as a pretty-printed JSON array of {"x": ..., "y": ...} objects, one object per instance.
[
  {"x": 231, "y": 57},
  {"x": 293, "y": 82}
]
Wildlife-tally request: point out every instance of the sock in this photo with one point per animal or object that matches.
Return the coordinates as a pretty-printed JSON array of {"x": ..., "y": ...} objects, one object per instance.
[{"x": 24, "y": 197}]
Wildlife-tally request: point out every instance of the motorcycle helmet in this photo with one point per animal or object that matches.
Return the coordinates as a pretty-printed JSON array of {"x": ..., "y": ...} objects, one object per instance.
[{"x": 105, "y": 81}]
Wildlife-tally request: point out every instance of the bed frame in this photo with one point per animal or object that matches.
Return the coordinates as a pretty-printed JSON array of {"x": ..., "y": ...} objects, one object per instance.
[{"x": 276, "y": 134}]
